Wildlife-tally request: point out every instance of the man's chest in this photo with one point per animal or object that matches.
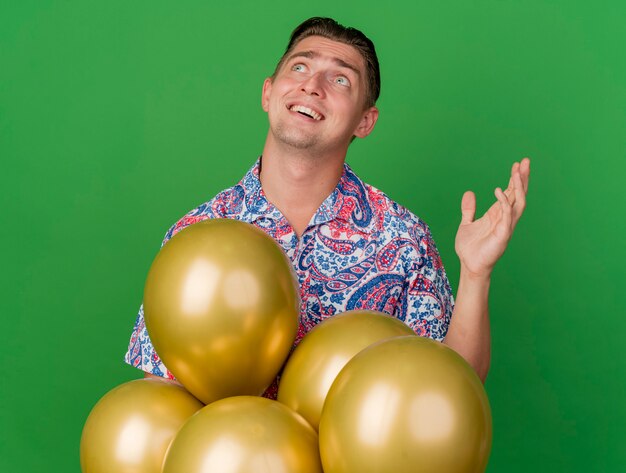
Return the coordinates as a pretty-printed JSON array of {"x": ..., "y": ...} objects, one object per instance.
[{"x": 339, "y": 271}]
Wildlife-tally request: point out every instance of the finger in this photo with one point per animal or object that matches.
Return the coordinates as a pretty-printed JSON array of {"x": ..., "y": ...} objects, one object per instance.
[
  {"x": 510, "y": 194},
  {"x": 524, "y": 170},
  {"x": 504, "y": 225},
  {"x": 514, "y": 168},
  {"x": 520, "y": 198},
  {"x": 510, "y": 190},
  {"x": 468, "y": 207}
]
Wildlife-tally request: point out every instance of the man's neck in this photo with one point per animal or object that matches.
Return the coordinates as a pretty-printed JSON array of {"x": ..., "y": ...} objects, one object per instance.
[{"x": 297, "y": 183}]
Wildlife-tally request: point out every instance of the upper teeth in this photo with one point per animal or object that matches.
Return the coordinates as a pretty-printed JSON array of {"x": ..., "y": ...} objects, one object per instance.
[{"x": 306, "y": 110}]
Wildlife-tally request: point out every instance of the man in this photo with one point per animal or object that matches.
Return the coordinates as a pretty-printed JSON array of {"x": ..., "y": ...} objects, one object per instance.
[{"x": 351, "y": 246}]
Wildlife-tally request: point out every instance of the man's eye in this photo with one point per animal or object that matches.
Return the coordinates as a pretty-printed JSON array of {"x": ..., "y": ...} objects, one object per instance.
[
  {"x": 298, "y": 67},
  {"x": 342, "y": 80}
]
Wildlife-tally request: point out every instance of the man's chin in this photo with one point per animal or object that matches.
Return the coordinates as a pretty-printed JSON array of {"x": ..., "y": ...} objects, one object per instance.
[{"x": 295, "y": 139}]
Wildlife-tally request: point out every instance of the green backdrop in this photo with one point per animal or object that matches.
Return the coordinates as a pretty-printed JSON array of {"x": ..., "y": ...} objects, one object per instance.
[{"x": 118, "y": 117}]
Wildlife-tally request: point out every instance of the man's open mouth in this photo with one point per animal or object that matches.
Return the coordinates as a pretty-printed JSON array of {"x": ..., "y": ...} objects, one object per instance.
[{"x": 306, "y": 111}]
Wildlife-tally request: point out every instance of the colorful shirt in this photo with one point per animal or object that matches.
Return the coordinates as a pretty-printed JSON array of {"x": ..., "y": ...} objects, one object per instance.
[{"x": 361, "y": 250}]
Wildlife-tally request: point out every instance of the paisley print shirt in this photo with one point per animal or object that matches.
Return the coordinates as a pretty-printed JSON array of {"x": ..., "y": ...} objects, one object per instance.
[{"x": 361, "y": 250}]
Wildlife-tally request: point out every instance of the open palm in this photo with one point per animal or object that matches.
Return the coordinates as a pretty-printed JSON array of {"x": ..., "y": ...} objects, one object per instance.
[{"x": 480, "y": 243}]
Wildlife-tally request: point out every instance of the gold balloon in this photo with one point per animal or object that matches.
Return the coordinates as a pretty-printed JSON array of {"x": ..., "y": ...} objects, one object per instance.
[
  {"x": 131, "y": 427},
  {"x": 221, "y": 307},
  {"x": 406, "y": 405},
  {"x": 244, "y": 434},
  {"x": 324, "y": 351}
]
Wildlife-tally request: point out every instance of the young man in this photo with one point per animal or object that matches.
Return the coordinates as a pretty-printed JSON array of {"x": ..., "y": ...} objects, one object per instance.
[{"x": 351, "y": 246}]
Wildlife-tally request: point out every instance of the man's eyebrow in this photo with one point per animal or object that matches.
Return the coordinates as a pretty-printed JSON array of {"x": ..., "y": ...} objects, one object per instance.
[{"x": 336, "y": 60}]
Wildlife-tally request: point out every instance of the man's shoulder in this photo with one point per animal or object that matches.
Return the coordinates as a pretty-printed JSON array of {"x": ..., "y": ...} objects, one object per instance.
[
  {"x": 226, "y": 204},
  {"x": 232, "y": 203}
]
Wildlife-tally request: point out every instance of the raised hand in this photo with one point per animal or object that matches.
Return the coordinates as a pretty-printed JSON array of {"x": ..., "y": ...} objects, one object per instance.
[{"x": 480, "y": 243}]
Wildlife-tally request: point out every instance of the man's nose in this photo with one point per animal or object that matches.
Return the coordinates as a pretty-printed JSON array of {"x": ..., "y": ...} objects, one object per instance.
[{"x": 314, "y": 85}]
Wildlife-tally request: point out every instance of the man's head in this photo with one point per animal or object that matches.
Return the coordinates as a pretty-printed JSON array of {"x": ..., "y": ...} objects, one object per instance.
[
  {"x": 319, "y": 98},
  {"x": 330, "y": 29}
]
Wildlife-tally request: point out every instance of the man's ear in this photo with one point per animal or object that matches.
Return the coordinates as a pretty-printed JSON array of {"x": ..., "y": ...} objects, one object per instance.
[
  {"x": 265, "y": 96},
  {"x": 366, "y": 125}
]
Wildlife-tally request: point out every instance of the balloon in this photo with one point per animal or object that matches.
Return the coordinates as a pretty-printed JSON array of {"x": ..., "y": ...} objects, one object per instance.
[
  {"x": 324, "y": 351},
  {"x": 244, "y": 434},
  {"x": 404, "y": 405},
  {"x": 131, "y": 427},
  {"x": 222, "y": 308}
]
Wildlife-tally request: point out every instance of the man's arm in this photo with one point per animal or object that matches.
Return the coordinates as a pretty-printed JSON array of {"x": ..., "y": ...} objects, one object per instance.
[{"x": 479, "y": 244}]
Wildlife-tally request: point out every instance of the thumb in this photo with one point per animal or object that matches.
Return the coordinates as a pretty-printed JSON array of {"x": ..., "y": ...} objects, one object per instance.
[{"x": 468, "y": 207}]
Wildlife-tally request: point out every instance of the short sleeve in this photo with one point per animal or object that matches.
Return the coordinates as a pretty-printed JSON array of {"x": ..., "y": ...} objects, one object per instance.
[
  {"x": 428, "y": 297},
  {"x": 141, "y": 353}
]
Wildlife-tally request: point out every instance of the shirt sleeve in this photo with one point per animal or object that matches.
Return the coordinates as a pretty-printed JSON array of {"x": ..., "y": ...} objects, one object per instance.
[
  {"x": 141, "y": 353},
  {"x": 428, "y": 300}
]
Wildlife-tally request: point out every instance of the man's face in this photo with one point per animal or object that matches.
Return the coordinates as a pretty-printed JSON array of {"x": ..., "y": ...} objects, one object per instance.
[{"x": 316, "y": 101}]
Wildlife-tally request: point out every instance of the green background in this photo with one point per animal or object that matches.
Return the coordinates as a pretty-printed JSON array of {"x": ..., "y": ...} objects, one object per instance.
[{"x": 117, "y": 117}]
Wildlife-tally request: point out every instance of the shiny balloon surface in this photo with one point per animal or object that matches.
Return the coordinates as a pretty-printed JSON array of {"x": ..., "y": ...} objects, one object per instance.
[
  {"x": 131, "y": 427},
  {"x": 221, "y": 308},
  {"x": 406, "y": 405},
  {"x": 324, "y": 351},
  {"x": 245, "y": 434}
]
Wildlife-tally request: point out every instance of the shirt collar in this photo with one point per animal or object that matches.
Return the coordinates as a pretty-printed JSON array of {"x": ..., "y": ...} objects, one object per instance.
[
  {"x": 256, "y": 205},
  {"x": 348, "y": 201}
]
